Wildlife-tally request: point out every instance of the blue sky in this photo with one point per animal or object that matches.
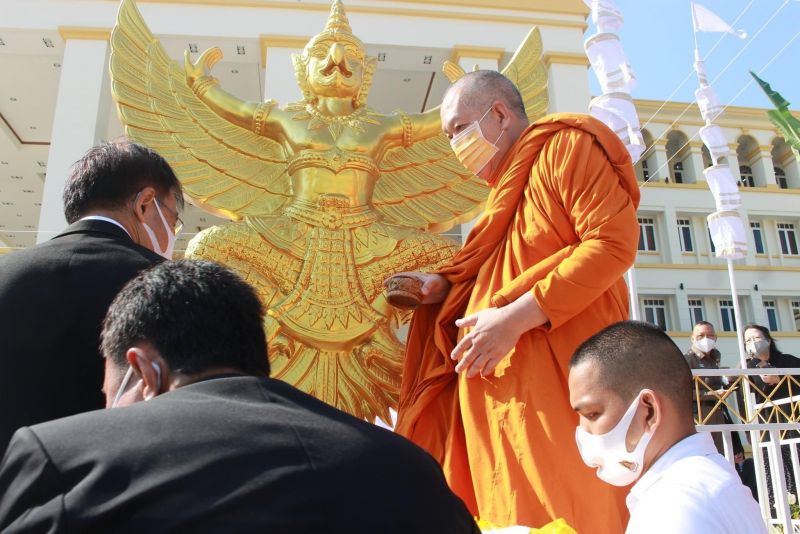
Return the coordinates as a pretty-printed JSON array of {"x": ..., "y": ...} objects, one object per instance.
[{"x": 657, "y": 38}]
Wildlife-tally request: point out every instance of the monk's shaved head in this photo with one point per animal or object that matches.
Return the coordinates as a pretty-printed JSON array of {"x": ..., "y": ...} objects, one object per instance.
[
  {"x": 478, "y": 90},
  {"x": 631, "y": 355}
]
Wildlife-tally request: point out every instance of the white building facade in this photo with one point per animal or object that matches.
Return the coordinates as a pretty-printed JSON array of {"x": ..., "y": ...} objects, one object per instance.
[{"x": 55, "y": 103}]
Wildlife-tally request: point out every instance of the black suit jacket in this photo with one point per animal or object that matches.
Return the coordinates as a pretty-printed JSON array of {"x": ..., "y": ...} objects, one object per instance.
[
  {"x": 229, "y": 454},
  {"x": 53, "y": 298}
]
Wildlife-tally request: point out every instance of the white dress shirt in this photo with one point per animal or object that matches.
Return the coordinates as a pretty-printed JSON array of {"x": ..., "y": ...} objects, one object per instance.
[
  {"x": 693, "y": 489},
  {"x": 106, "y": 219}
]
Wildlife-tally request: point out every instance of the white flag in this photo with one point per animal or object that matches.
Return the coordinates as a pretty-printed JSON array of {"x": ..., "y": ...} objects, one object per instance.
[{"x": 705, "y": 20}]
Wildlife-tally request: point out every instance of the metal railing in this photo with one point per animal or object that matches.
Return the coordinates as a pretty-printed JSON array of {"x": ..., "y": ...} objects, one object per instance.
[{"x": 771, "y": 427}]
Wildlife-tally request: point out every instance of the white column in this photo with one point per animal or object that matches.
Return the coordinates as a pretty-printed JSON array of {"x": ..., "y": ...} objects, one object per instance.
[
  {"x": 657, "y": 165},
  {"x": 567, "y": 86},
  {"x": 733, "y": 162},
  {"x": 763, "y": 168},
  {"x": 279, "y": 80},
  {"x": 693, "y": 164},
  {"x": 79, "y": 122},
  {"x": 671, "y": 230},
  {"x": 684, "y": 319}
]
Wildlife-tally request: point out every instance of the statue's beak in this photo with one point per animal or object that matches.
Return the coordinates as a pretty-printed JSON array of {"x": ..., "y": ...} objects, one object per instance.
[{"x": 336, "y": 60}]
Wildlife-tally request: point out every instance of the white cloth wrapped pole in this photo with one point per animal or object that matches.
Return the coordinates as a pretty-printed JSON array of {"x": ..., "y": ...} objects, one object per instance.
[
  {"x": 609, "y": 63},
  {"x": 707, "y": 101},
  {"x": 723, "y": 187},
  {"x": 605, "y": 15},
  {"x": 700, "y": 69},
  {"x": 727, "y": 233},
  {"x": 715, "y": 141},
  {"x": 618, "y": 112}
]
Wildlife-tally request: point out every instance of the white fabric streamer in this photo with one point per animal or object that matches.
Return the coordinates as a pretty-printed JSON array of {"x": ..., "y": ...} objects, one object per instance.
[
  {"x": 715, "y": 141},
  {"x": 727, "y": 233},
  {"x": 609, "y": 63},
  {"x": 723, "y": 187},
  {"x": 605, "y": 15},
  {"x": 618, "y": 112},
  {"x": 707, "y": 100},
  {"x": 705, "y": 20}
]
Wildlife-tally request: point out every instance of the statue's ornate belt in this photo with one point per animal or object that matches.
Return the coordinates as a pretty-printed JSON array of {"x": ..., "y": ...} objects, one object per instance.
[{"x": 332, "y": 212}]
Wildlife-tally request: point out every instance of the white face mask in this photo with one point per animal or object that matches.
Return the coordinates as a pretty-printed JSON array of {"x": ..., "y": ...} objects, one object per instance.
[
  {"x": 706, "y": 344},
  {"x": 608, "y": 453},
  {"x": 759, "y": 347},
  {"x": 472, "y": 149},
  {"x": 166, "y": 253}
]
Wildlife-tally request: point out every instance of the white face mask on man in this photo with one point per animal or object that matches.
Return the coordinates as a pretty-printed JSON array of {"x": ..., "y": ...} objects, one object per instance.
[
  {"x": 472, "y": 149},
  {"x": 706, "y": 344},
  {"x": 609, "y": 454},
  {"x": 167, "y": 252}
]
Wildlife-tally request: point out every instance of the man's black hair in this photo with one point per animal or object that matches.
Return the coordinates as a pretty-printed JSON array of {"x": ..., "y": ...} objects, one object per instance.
[
  {"x": 702, "y": 323},
  {"x": 481, "y": 88},
  {"x": 633, "y": 355},
  {"x": 110, "y": 174},
  {"x": 197, "y": 314}
]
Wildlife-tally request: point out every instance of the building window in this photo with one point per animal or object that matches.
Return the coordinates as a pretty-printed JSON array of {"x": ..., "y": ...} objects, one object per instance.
[
  {"x": 787, "y": 238},
  {"x": 758, "y": 237},
  {"x": 655, "y": 312},
  {"x": 780, "y": 177},
  {"x": 685, "y": 235},
  {"x": 727, "y": 316},
  {"x": 647, "y": 234},
  {"x": 645, "y": 171},
  {"x": 796, "y": 314},
  {"x": 747, "y": 176},
  {"x": 772, "y": 315},
  {"x": 678, "y": 172},
  {"x": 696, "y": 311},
  {"x": 711, "y": 245}
]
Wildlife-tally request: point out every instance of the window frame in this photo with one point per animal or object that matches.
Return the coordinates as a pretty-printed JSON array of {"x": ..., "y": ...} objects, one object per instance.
[
  {"x": 643, "y": 226},
  {"x": 684, "y": 234},
  {"x": 785, "y": 231}
]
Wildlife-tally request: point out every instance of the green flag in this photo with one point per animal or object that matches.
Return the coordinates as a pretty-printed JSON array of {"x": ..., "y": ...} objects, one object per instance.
[{"x": 787, "y": 124}]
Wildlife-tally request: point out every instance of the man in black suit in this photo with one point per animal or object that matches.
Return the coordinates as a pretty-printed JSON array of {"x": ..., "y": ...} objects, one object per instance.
[
  {"x": 204, "y": 441},
  {"x": 122, "y": 202}
]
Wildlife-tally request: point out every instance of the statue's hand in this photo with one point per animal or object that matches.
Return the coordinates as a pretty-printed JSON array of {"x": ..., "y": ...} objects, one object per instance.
[{"x": 202, "y": 66}]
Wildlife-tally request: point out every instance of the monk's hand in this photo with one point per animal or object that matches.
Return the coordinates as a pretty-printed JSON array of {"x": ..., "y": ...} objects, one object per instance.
[
  {"x": 495, "y": 331},
  {"x": 493, "y": 334},
  {"x": 434, "y": 286}
]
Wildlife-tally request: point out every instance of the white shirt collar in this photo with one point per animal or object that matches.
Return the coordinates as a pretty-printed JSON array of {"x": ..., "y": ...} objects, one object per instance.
[
  {"x": 699, "y": 444},
  {"x": 106, "y": 219}
]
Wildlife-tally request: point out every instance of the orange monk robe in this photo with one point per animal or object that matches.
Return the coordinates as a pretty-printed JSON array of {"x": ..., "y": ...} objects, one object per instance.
[{"x": 560, "y": 222}]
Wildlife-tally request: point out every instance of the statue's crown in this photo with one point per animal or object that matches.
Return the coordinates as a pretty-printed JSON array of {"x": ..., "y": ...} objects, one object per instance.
[
  {"x": 337, "y": 21},
  {"x": 338, "y": 27}
]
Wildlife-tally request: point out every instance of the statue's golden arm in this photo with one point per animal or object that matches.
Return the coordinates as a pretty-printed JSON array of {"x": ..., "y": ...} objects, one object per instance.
[
  {"x": 412, "y": 128},
  {"x": 253, "y": 116}
]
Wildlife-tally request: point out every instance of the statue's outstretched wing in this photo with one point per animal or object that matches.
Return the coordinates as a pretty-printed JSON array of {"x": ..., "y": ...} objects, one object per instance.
[
  {"x": 424, "y": 185},
  {"x": 529, "y": 73},
  {"x": 222, "y": 167}
]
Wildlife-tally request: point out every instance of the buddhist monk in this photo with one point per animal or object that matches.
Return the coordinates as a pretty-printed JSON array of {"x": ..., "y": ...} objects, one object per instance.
[{"x": 485, "y": 380}]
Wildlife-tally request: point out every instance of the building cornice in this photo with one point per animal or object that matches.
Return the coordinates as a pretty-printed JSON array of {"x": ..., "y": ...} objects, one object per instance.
[{"x": 83, "y": 33}]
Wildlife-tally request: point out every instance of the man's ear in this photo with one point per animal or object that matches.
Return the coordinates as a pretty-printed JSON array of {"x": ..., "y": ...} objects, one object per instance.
[
  {"x": 652, "y": 404},
  {"x": 503, "y": 113},
  {"x": 143, "y": 202},
  {"x": 148, "y": 364}
]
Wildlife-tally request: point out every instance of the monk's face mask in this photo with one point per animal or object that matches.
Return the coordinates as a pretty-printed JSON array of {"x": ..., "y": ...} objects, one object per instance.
[{"x": 472, "y": 149}]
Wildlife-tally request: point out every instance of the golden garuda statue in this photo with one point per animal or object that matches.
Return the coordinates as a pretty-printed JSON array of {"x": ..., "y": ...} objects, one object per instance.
[{"x": 329, "y": 196}]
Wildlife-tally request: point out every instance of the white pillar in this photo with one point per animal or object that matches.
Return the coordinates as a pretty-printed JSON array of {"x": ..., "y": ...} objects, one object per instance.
[
  {"x": 276, "y": 58},
  {"x": 568, "y": 83},
  {"x": 671, "y": 229},
  {"x": 733, "y": 162},
  {"x": 79, "y": 122},
  {"x": 693, "y": 164},
  {"x": 764, "y": 170},
  {"x": 658, "y": 165}
]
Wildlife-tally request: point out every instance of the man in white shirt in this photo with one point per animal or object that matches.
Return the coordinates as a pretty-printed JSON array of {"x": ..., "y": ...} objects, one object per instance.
[{"x": 632, "y": 390}]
